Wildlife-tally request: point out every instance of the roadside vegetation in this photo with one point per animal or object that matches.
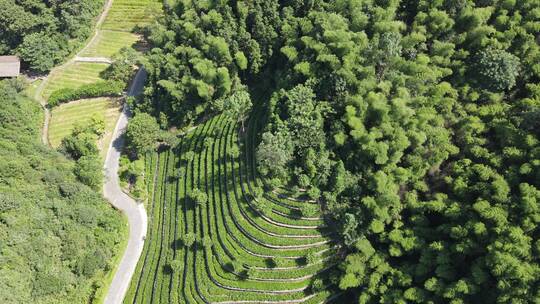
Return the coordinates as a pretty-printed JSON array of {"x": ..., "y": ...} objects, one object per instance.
[
  {"x": 68, "y": 116},
  {"x": 411, "y": 125},
  {"x": 59, "y": 239}
]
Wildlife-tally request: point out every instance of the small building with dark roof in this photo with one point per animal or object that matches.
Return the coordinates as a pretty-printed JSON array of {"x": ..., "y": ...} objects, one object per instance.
[{"x": 10, "y": 66}]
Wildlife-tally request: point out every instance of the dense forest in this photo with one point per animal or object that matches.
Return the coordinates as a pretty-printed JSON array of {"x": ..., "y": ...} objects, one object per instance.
[
  {"x": 43, "y": 33},
  {"x": 415, "y": 124},
  {"x": 58, "y": 237}
]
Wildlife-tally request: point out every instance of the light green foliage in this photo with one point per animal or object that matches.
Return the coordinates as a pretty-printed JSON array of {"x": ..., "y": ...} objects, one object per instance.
[
  {"x": 177, "y": 266},
  {"x": 238, "y": 105},
  {"x": 309, "y": 210},
  {"x": 199, "y": 197},
  {"x": 89, "y": 171},
  {"x": 241, "y": 60},
  {"x": 189, "y": 239}
]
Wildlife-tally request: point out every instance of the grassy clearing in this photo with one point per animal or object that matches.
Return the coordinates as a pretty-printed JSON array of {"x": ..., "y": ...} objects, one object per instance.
[
  {"x": 268, "y": 257},
  {"x": 65, "y": 116},
  {"x": 32, "y": 88},
  {"x": 126, "y": 15},
  {"x": 109, "y": 43},
  {"x": 74, "y": 76}
]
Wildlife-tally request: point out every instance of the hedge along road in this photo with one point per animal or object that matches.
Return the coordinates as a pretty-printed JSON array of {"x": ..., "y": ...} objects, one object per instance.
[{"x": 134, "y": 211}]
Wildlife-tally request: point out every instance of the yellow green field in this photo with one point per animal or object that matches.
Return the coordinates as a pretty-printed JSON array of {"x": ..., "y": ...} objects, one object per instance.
[
  {"x": 109, "y": 43},
  {"x": 65, "y": 116},
  {"x": 125, "y": 15},
  {"x": 115, "y": 33},
  {"x": 74, "y": 76}
]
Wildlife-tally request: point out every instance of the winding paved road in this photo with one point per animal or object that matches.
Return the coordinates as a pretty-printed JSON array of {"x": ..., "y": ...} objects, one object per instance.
[{"x": 134, "y": 211}]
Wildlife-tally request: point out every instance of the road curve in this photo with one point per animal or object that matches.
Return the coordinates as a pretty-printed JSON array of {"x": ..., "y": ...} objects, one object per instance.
[{"x": 134, "y": 211}]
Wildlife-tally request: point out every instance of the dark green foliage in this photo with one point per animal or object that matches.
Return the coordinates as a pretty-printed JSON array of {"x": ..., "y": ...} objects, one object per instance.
[
  {"x": 42, "y": 32},
  {"x": 98, "y": 89},
  {"x": 413, "y": 123},
  {"x": 497, "y": 69},
  {"x": 123, "y": 66},
  {"x": 142, "y": 133},
  {"x": 41, "y": 51},
  {"x": 58, "y": 237},
  {"x": 209, "y": 52}
]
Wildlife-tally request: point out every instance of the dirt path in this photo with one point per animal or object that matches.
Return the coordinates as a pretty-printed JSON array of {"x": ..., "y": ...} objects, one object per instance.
[
  {"x": 39, "y": 91},
  {"x": 134, "y": 211}
]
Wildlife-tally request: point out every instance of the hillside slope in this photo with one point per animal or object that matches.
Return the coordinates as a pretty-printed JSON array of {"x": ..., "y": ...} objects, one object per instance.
[{"x": 58, "y": 238}]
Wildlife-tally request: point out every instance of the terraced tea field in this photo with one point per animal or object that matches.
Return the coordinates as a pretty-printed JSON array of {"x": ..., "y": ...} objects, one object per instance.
[{"x": 240, "y": 254}]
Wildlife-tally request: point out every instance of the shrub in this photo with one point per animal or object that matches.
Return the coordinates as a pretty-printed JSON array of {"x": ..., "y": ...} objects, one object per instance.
[
  {"x": 310, "y": 258},
  {"x": 234, "y": 152},
  {"x": 258, "y": 193},
  {"x": 88, "y": 171},
  {"x": 199, "y": 197},
  {"x": 497, "y": 69},
  {"x": 264, "y": 208},
  {"x": 142, "y": 133},
  {"x": 123, "y": 65},
  {"x": 97, "y": 89},
  {"x": 189, "y": 239},
  {"x": 177, "y": 266},
  {"x": 317, "y": 285},
  {"x": 78, "y": 145},
  {"x": 207, "y": 242},
  {"x": 309, "y": 210}
]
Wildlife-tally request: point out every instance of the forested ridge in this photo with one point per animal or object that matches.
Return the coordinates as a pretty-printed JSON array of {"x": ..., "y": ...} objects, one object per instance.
[
  {"x": 415, "y": 125},
  {"x": 43, "y": 33},
  {"x": 58, "y": 237}
]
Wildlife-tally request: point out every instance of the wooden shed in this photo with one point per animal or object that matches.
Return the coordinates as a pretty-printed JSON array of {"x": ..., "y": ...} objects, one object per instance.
[{"x": 10, "y": 66}]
